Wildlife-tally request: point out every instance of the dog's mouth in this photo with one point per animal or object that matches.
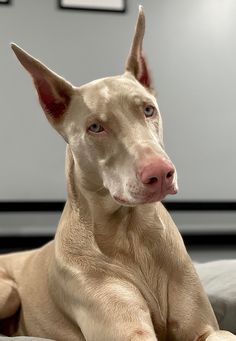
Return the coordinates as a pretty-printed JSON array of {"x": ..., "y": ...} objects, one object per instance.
[
  {"x": 145, "y": 198},
  {"x": 123, "y": 201}
]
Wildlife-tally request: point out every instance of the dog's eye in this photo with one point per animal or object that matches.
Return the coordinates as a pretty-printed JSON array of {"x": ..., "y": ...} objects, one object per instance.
[
  {"x": 96, "y": 128},
  {"x": 149, "y": 111}
]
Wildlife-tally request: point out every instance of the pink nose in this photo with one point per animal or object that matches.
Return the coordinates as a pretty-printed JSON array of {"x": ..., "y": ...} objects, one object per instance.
[{"x": 157, "y": 174}]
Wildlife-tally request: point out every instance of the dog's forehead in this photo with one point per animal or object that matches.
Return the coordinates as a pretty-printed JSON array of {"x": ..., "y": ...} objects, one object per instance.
[{"x": 113, "y": 91}]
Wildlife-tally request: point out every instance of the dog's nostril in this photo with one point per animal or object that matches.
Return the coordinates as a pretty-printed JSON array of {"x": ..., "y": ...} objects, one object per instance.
[
  {"x": 152, "y": 180},
  {"x": 169, "y": 174}
]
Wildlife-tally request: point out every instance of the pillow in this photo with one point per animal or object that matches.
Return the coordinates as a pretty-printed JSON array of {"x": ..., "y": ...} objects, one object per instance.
[{"x": 219, "y": 281}]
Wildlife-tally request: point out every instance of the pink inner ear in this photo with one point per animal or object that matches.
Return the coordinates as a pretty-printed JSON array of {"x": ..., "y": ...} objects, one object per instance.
[
  {"x": 53, "y": 101},
  {"x": 144, "y": 77}
]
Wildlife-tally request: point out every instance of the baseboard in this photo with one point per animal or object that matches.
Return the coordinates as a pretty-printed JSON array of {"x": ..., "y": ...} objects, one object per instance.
[
  {"x": 192, "y": 241},
  {"x": 31, "y": 206},
  {"x": 57, "y": 206},
  {"x": 200, "y": 205},
  {"x": 22, "y": 228}
]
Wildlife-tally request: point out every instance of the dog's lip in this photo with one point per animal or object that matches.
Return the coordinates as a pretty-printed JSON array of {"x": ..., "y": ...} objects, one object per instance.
[
  {"x": 146, "y": 195},
  {"x": 145, "y": 198},
  {"x": 173, "y": 189},
  {"x": 139, "y": 200},
  {"x": 123, "y": 201}
]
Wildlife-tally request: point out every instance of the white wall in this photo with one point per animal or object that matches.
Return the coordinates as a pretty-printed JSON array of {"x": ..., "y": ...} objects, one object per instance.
[{"x": 191, "y": 48}]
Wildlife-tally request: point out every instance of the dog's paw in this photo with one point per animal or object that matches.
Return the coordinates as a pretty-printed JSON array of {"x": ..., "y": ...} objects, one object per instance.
[{"x": 221, "y": 335}]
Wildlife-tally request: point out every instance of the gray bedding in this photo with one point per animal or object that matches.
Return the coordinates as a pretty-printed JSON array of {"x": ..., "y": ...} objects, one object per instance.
[{"x": 219, "y": 281}]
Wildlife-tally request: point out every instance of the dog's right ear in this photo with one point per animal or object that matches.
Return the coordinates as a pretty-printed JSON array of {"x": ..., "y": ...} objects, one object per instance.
[
  {"x": 136, "y": 63},
  {"x": 54, "y": 92}
]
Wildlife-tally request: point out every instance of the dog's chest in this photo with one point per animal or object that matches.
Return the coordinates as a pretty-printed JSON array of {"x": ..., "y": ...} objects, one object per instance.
[
  {"x": 143, "y": 255},
  {"x": 138, "y": 250}
]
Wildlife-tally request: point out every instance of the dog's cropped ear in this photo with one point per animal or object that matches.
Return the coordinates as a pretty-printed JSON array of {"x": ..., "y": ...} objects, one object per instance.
[
  {"x": 54, "y": 92},
  {"x": 136, "y": 63}
]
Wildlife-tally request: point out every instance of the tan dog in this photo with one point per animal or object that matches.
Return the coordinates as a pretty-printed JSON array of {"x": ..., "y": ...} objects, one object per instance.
[{"x": 117, "y": 269}]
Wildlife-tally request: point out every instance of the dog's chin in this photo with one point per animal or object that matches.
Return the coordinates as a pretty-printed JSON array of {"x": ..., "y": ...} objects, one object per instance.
[
  {"x": 142, "y": 199},
  {"x": 124, "y": 202}
]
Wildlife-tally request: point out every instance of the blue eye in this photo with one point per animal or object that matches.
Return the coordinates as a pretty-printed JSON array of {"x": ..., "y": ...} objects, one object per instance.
[
  {"x": 96, "y": 128},
  {"x": 149, "y": 111}
]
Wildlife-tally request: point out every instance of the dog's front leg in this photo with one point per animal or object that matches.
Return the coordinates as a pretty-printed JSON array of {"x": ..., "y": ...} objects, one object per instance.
[
  {"x": 113, "y": 311},
  {"x": 191, "y": 316},
  {"x": 217, "y": 335},
  {"x": 9, "y": 297},
  {"x": 221, "y": 335}
]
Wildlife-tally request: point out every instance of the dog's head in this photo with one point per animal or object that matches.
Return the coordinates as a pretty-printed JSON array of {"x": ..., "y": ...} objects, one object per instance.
[{"x": 113, "y": 126}]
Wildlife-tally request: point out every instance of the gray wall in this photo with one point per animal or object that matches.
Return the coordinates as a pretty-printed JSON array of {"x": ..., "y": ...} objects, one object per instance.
[{"x": 191, "y": 48}]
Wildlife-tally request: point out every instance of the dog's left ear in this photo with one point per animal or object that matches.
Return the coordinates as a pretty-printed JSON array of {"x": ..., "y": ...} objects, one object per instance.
[
  {"x": 136, "y": 63},
  {"x": 54, "y": 92}
]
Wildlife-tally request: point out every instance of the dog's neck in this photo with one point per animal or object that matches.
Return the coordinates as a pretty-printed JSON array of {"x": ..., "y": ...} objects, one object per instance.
[
  {"x": 95, "y": 215},
  {"x": 97, "y": 203}
]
